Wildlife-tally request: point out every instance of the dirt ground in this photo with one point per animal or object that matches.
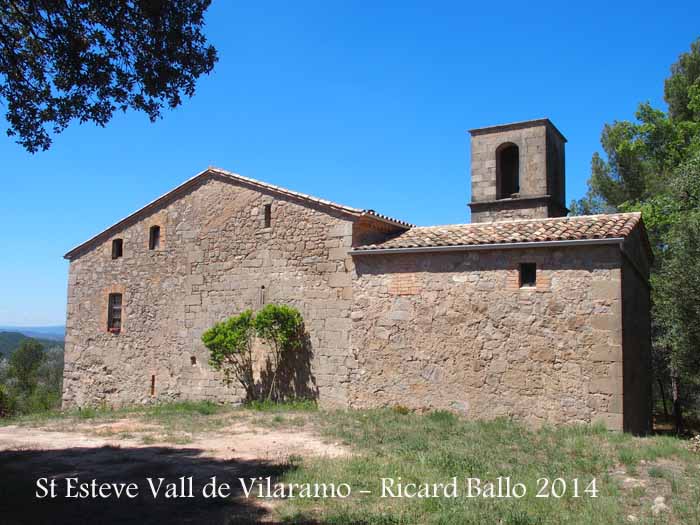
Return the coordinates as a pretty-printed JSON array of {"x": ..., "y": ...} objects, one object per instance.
[{"x": 99, "y": 451}]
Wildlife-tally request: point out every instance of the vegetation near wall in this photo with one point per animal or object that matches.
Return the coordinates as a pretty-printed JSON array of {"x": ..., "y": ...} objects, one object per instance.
[
  {"x": 281, "y": 329},
  {"x": 31, "y": 378},
  {"x": 652, "y": 164}
]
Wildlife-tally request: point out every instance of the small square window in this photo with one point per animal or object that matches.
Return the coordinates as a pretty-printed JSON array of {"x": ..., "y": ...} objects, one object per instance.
[
  {"x": 528, "y": 275},
  {"x": 154, "y": 238},
  {"x": 117, "y": 248},
  {"x": 114, "y": 313},
  {"x": 268, "y": 215}
]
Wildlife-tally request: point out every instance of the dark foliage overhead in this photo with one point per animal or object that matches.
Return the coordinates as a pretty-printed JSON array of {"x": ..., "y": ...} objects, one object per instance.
[{"x": 83, "y": 59}]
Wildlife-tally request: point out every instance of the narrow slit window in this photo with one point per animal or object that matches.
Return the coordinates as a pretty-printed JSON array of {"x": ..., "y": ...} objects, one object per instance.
[
  {"x": 528, "y": 275},
  {"x": 153, "y": 385},
  {"x": 154, "y": 238},
  {"x": 268, "y": 215},
  {"x": 117, "y": 248},
  {"x": 193, "y": 360},
  {"x": 114, "y": 313}
]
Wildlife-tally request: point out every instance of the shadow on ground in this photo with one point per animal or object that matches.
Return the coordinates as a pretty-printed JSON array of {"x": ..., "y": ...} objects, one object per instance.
[{"x": 20, "y": 469}]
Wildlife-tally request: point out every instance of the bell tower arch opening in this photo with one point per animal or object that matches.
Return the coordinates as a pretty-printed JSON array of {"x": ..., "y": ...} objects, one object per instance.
[
  {"x": 517, "y": 171},
  {"x": 507, "y": 170}
]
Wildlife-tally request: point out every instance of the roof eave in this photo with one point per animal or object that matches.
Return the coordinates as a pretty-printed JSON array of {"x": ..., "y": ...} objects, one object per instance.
[
  {"x": 106, "y": 233},
  {"x": 492, "y": 246},
  {"x": 213, "y": 171},
  {"x": 517, "y": 125}
]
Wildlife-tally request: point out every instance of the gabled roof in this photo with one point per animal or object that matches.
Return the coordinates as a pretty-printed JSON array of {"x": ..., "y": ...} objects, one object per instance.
[
  {"x": 239, "y": 179},
  {"x": 503, "y": 233}
]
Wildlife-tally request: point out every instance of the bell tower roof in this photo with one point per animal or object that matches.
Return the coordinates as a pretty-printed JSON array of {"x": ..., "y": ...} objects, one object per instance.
[{"x": 517, "y": 125}]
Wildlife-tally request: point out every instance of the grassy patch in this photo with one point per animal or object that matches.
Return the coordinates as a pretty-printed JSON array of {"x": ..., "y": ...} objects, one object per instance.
[
  {"x": 435, "y": 447},
  {"x": 184, "y": 416},
  {"x": 299, "y": 405},
  {"x": 180, "y": 422},
  {"x": 658, "y": 472},
  {"x": 73, "y": 415}
]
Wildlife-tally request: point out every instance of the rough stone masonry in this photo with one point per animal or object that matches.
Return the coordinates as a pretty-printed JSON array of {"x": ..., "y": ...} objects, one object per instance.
[{"x": 524, "y": 313}]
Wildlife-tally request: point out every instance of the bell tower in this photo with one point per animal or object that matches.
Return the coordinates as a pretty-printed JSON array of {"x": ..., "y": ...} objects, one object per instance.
[{"x": 517, "y": 171}]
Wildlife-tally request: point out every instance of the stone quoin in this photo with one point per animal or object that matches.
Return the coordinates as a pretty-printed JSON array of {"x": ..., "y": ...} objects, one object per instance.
[{"x": 524, "y": 313}]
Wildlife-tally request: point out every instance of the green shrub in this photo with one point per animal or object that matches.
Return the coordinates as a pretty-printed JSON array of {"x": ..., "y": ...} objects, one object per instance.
[
  {"x": 442, "y": 416},
  {"x": 230, "y": 344},
  {"x": 231, "y": 350},
  {"x": 8, "y": 403},
  {"x": 31, "y": 380},
  {"x": 281, "y": 327}
]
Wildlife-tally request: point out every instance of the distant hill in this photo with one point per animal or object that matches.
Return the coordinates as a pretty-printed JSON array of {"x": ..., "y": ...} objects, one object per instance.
[
  {"x": 9, "y": 341},
  {"x": 57, "y": 332}
]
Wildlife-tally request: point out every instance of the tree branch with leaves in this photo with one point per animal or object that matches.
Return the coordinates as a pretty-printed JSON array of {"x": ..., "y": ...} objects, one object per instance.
[{"x": 84, "y": 59}]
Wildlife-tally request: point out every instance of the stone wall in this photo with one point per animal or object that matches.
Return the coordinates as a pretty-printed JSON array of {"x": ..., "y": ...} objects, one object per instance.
[
  {"x": 445, "y": 330},
  {"x": 636, "y": 342},
  {"x": 214, "y": 259},
  {"x": 456, "y": 331},
  {"x": 510, "y": 209}
]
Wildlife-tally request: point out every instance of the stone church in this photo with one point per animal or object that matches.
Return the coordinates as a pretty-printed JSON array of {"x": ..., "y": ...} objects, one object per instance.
[{"x": 523, "y": 313}]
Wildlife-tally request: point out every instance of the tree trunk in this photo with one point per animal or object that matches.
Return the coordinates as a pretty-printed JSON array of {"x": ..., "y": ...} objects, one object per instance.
[
  {"x": 677, "y": 412},
  {"x": 663, "y": 397},
  {"x": 273, "y": 383}
]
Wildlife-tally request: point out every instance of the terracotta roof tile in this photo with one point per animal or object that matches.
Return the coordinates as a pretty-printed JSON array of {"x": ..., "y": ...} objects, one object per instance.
[{"x": 532, "y": 230}]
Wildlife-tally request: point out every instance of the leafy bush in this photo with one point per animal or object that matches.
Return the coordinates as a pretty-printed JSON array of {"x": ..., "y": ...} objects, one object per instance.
[
  {"x": 31, "y": 380},
  {"x": 8, "y": 404},
  {"x": 280, "y": 326},
  {"x": 230, "y": 347},
  {"x": 25, "y": 363},
  {"x": 230, "y": 344}
]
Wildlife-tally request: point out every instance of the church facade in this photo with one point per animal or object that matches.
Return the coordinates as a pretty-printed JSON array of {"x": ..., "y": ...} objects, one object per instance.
[{"x": 523, "y": 313}]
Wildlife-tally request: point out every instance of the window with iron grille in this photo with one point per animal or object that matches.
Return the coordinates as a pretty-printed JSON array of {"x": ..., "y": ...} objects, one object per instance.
[
  {"x": 154, "y": 238},
  {"x": 117, "y": 248},
  {"x": 114, "y": 313}
]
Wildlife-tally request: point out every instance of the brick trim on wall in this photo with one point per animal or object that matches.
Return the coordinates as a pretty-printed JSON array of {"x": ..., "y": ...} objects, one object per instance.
[
  {"x": 543, "y": 282},
  {"x": 104, "y": 307},
  {"x": 404, "y": 284}
]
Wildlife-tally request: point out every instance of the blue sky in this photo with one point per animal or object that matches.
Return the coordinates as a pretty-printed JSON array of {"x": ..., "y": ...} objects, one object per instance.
[{"x": 356, "y": 103}]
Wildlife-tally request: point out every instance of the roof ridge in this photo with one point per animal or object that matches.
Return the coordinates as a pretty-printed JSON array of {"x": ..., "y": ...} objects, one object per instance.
[
  {"x": 587, "y": 228},
  {"x": 544, "y": 219},
  {"x": 306, "y": 196},
  {"x": 211, "y": 171},
  {"x": 282, "y": 189},
  {"x": 568, "y": 217}
]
